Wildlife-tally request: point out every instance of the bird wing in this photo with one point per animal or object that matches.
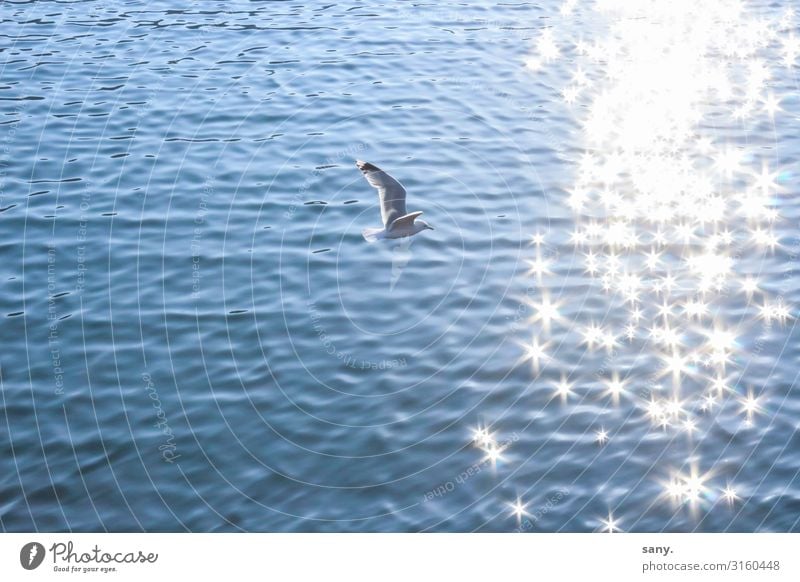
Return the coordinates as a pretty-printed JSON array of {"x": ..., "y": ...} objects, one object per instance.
[
  {"x": 406, "y": 221},
  {"x": 391, "y": 192}
]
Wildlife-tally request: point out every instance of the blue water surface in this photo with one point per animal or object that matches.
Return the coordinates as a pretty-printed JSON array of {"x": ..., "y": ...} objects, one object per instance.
[{"x": 196, "y": 337}]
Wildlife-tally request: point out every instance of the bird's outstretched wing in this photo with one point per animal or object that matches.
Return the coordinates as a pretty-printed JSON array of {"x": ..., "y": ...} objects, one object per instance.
[
  {"x": 406, "y": 221},
  {"x": 391, "y": 192}
]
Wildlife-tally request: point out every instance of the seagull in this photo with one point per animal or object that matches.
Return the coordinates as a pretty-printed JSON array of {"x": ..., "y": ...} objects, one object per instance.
[{"x": 396, "y": 222}]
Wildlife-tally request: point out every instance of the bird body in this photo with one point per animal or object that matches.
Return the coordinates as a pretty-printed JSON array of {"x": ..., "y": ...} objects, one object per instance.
[{"x": 397, "y": 223}]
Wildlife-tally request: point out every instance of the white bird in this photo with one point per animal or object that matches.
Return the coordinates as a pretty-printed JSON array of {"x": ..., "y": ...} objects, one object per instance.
[{"x": 396, "y": 222}]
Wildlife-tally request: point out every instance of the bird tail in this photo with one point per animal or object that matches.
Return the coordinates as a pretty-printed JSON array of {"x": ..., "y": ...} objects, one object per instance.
[{"x": 372, "y": 234}]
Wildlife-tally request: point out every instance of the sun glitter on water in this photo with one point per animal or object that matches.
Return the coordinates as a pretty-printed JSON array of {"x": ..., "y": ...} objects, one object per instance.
[
  {"x": 669, "y": 200},
  {"x": 664, "y": 202}
]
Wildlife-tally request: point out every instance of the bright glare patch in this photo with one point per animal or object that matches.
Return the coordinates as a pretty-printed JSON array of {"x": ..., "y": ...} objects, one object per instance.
[
  {"x": 610, "y": 525},
  {"x": 601, "y": 436},
  {"x": 687, "y": 488},
  {"x": 669, "y": 196},
  {"x": 518, "y": 509},
  {"x": 535, "y": 352},
  {"x": 729, "y": 494},
  {"x": 563, "y": 389}
]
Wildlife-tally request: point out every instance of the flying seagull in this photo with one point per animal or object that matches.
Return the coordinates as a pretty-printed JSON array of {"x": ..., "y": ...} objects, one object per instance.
[{"x": 396, "y": 222}]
